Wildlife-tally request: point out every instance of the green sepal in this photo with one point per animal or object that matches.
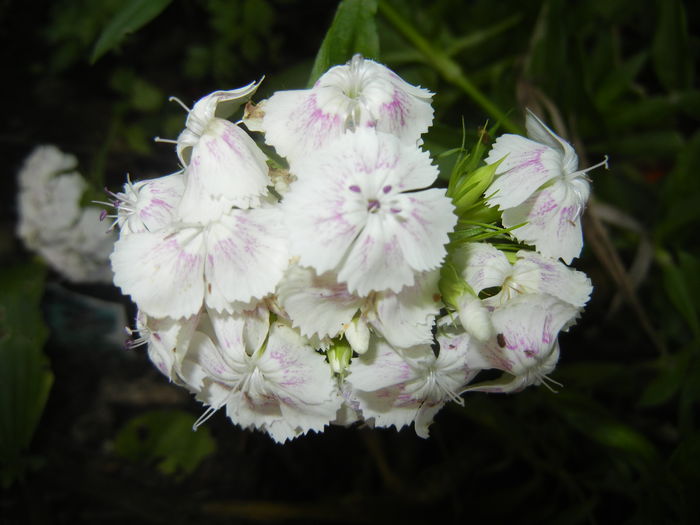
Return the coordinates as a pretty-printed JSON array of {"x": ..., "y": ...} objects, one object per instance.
[{"x": 451, "y": 284}]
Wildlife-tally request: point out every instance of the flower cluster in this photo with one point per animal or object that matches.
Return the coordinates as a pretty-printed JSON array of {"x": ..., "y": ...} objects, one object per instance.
[
  {"x": 314, "y": 293},
  {"x": 53, "y": 223}
]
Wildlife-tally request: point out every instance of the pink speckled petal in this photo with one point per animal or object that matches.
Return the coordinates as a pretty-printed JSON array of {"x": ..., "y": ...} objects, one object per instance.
[
  {"x": 422, "y": 226},
  {"x": 553, "y": 217},
  {"x": 526, "y": 166},
  {"x": 295, "y": 125},
  {"x": 375, "y": 261},
  {"x": 226, "y": 163},
  {"x": 162, "y": 271},
  {"x": 151, "y": 203},
  {"x": 538, "y": 131},
  {"x": 246, "y": 257},
  {"x": 406, "y": 318},
  {"x": 537, "y": 274},
  {"x": 482, "y": 265},
  {"x": 317, "y": 305}
]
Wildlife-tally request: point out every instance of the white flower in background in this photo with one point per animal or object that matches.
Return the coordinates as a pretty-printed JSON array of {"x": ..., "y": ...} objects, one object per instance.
[
  {"x": 359, "y": 94},
  {"x": 43, "y": 164},
  {"x": 224, "y": 166},
  {"x": 273, "y": 381},
  {"x": 322, "y": 307},
  {"x": 538, "y": 182},
  {"x": 483, "y": 266},
  {"x": 174, "y": 271},
  {"x": 52, "y": 222},
  {"x": 355, "y": 211},
  {"x": 525, "y": 345},
  {"x": 148, "y": 205},
  {"x": 397, "y": 387}
]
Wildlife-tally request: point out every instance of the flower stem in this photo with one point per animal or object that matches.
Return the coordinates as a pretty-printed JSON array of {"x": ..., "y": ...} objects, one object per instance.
[{"x": 447, "y": 67}]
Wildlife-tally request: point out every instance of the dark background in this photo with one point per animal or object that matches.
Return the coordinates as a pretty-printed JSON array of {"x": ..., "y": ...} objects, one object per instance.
[{"x": 617, "y": 444}]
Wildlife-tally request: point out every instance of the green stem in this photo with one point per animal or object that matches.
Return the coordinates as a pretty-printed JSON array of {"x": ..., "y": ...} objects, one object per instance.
[{"x": 448, "y": 68}]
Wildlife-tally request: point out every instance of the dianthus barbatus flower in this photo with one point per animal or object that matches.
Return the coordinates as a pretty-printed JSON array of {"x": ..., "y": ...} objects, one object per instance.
[
  {"x": 173, "y": 271},
  {"x": 222, "y": 161},
  {"x": 359, "y": 94},
  {"x": 525, "y": 345},
  {"x": 483, "y": 266},
  {"x": 354, "y": 210},
  {"x": 321, "y": 306},
  {"x": 397, "y": 387},
  {"x": 149, "y": 205},
  {"x": 270, "y": 380},
  {"x": 538, "y": 182}
]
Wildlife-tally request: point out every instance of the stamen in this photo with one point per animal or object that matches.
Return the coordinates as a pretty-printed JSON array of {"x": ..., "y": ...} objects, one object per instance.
[
  {"x": 165, "y": 141},
  {"x": 604, "y": 162},
  {"x": 175, "y": 99},
  {"x": 204, "y": 418}
]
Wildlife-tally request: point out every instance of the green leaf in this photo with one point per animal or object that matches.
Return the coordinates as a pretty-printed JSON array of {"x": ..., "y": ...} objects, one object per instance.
[
  {"x": 132, "y": 16},
  {"x": 671, "y": 46},
  {"x": 25, "y": 378},
  {"x": 165, "y": 438},
  {"x": 681, "y": 284},
  {"x": 353, "y": 30}
]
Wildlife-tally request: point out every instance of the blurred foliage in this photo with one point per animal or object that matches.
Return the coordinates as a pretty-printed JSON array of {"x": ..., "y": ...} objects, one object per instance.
[
  {"x": 166, "y": 439},
  {"x": 25, "y": 377},
  {"x": 618, "y": 443}
]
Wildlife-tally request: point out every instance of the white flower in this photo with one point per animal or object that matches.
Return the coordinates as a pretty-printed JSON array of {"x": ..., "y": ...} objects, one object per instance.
[
  {"x": 538, "y": 182},
  {"x": 525, "y": 345},
  {"x": 360, "y": 94},
  {"x": 483, "y": 266},
  {"x": 47, "y": 212},
  {"x": 321, "y": 306},
  {"x": 43, "y": 164},
  {"x": 224, "y": 166},
  {"x": 52, "y": 223},
  {"x": 354, "y": 210},
  {"x": 149, "y": 205},
  {"x": 167, "y": 340},
  {"x": 397, "y": 387},
  {"x": 278, "y": 384},
  {"x": 172, "y": 272}
]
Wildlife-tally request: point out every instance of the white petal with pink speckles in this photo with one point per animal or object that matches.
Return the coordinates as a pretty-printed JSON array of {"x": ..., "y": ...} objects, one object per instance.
[
  {"x": 482, "y": 265},
  {"x": 162, "y": 271},
  {"x": 350, "y": 213},
  {"x": 525, "y": 346},
  {"x": 246, "y": 257},
  {"x": 397, "y": 387},
  {"x": 317, "y": 304},
  {"x": 360, "y": 94},
  {"x": 149, "y": 205},
  {"x": 553, "y": 217},
  {"x": 526, "y": 166},
  {"x": 226, "y": 165}
]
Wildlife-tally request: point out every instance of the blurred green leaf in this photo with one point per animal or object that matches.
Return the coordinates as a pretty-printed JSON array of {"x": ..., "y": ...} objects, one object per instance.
[
  {"x": 353, "y": 30},
  {"x": 131, "y": 17},
  {"x": 670, "y": 48},
  {"x": 25, "y": 378},
  {"x": 619, "y": 80},
  {"x": 592, "y": 420},
  {"x": 681, "y": 284},
  {"x": 165, "y": 438},
  {"x": 668, "y": 381}
]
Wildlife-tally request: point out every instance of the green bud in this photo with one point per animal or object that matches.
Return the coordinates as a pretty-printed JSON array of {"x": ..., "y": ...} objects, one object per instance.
[
  {"x": 339, "y": 356},
  {"x": 471, "y": 187}
]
